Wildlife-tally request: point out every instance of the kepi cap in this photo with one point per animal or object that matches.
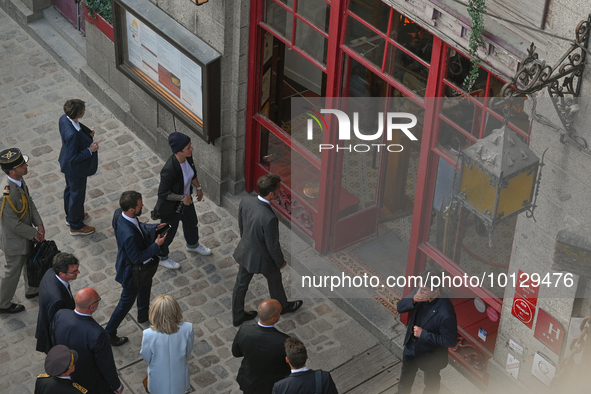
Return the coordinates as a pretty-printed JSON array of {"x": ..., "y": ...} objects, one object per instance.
[
  {"x": 12, "y": 158},
  {"x": 59, "y": 360}
]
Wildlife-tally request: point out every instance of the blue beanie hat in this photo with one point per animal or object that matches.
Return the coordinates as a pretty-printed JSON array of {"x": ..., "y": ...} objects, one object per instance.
[{"x": 178, "y": 141}]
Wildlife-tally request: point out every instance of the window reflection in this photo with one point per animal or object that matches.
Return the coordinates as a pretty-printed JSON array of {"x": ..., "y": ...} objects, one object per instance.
[
  {"x": 365, "y": 42},
  {"x": 374, "y": 12},
  {"x": 458, "y": 68},
  {"x": 278, "y": 18},
  {"x": 411, "y": 36},
  {"x": 315, "y": 11}
]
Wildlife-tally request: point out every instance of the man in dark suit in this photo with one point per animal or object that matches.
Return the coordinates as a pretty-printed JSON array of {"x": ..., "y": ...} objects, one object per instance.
[
  {"x": 137, "y": 244},
  {"x": 178, "y": 179},
  {"x": 78, "y": 160},
  {"x": 59, "y": 365},
  {"x": 55, "y": 294},
  {"x": 303, "y": 380},
  {"x": 259, "y": 251},
  {"x": 95, "y": 369},
  {"x": 432, "y": 328},
  {"x": 262, "y": 347}
]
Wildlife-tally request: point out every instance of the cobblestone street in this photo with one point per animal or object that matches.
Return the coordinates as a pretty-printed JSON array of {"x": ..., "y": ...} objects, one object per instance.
[{"x": 33, "y": 89}]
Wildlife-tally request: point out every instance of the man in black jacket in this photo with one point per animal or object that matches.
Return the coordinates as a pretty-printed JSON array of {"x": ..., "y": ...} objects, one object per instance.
[
  {"x": 95, "y": 369},
  {"x": 259, "y": 251},
  {"x": 303, "y": 380},
  {"x": 262, "y": 347},
  {"x": 175, "y": 201},
  {"x": 432, "y": 328},
  {"x": 55, "y": 294}
]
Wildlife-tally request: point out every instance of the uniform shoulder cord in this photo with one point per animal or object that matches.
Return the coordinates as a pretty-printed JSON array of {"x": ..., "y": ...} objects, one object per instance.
[{"x": 21, "y": 212}]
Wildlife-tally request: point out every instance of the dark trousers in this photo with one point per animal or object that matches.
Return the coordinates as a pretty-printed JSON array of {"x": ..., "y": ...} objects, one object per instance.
[
  {"x": 128, "y": 297},
  {"x": 74, "y": 195},
  {"x": 190, "y": 230},
  {"x": 241, "y": 287},
  {"x": 432, "y": 379}
]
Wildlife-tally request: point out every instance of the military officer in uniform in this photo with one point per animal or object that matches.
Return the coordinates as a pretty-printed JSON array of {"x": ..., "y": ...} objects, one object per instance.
[
  {"x": 21, "y": 224},
  {"x": 59, "y": 364}
]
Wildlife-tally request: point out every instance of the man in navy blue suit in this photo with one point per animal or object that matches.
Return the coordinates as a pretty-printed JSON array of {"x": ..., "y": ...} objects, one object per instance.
[
  {"x": 77, "y": 329},
  {"x": 432, "y": 328},
  {"x": 78, "y": 160},
  {"x": 55, "y": 294},
  {"x": 138, "y": 244}
]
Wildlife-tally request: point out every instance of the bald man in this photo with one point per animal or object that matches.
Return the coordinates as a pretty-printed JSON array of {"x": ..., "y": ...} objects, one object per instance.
[
  {"x": 76, "y": 329},
  {"x": 262, "y": 347}
]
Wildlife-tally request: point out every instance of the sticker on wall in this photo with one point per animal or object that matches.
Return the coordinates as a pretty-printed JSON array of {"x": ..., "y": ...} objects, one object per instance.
[
  {"x": 513, "y": 365},
  {"x": 549, "y": 331},
  {"x": 482, "y": 334},
  {"x": 543, "y": 369},
  {"x": 526, "y": 288},
  {"x": 516, "y": 347},
  {"x": 492, "y": 314},
  {"x": 479, "y": 305},
  {"x": 523, "y": 310}
]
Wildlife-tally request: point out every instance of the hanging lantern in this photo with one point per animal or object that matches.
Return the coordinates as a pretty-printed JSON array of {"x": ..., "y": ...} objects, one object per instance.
[{"x": 499, "y": 177}]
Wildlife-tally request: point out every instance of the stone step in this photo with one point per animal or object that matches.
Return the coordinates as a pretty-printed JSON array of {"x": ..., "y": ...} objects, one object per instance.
[
  {"x": 62, "y": 51},
  {"x": 65, "y": 29}
]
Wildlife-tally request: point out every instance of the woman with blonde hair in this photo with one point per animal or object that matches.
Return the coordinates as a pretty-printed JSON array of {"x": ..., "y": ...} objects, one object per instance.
[{"x": 166, "y": 346}]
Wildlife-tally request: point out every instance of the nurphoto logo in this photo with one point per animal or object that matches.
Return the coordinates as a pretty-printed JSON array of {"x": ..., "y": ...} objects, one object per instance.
[{"x": 393, "y": 122}]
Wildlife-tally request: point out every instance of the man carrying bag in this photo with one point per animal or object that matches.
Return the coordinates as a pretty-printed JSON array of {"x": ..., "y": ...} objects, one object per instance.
[{"x": 137, "y": 262}]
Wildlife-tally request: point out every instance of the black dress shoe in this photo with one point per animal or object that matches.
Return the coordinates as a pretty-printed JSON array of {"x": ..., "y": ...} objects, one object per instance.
[
  {"x": 247, "y": 316},
  {"x": 292, "y": 306},
  {"x": 142, "y": 320},
  {"x": 14, "y": 308},
  {"x": 118, "y": 341},
  {"x": 29, "y": 296}
]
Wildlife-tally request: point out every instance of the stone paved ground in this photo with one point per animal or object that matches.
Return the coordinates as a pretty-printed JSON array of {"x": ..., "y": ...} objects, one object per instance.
[{"x": 33, "y": 88}]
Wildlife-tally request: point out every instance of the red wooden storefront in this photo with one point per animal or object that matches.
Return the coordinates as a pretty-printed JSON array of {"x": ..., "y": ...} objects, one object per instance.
[{"x": 365, "y": 48}]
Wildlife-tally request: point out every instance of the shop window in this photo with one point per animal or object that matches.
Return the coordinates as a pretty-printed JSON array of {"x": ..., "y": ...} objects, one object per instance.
[
  {"x": 411, "y": 36},
  {"x": 312, "y": 42},
  {"x": 286, "y": 75},
  {"x": 407, "y": 70},
  {"x": 365, "y": 42},
  {"x": 315, "y": 11},
  {"x": 374, "y": 12},
  {"x": 278, "y": 18},
  {"x": 298, "y": 175},
  {"x": 458, "y": 68}
]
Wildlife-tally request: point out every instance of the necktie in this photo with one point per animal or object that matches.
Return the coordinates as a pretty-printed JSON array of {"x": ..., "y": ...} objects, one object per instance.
[{"x": 70, "y": 291}]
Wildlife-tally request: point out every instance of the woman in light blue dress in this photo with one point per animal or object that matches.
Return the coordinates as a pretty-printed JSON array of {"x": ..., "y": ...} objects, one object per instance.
[{"x": 166, "y": 346}]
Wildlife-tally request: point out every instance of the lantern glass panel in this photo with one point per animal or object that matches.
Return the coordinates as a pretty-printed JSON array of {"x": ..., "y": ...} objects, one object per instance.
[
  {"x": 476, "y": 185},
  {"x": 518, "y": 190}
]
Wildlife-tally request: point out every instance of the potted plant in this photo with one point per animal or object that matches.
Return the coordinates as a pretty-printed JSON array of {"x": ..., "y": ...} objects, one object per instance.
[{"x": 100, "y": 14}]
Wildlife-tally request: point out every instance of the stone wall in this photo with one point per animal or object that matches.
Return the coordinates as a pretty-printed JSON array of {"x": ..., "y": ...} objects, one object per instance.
[
  {"x": 224, "y": 26},
  {"x": 563, "y": 202}
]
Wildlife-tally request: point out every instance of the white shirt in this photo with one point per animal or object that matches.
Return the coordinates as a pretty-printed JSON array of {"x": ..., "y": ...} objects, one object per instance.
[
  {"x": 262, "y": 325},
  {"x": 263, "y": 200},
  {"x": 187, "y": 176},
  {"x": 19, "y": 183},
  {"x": 304, "y": 369},
  {"x": 78, "y": 128},
  {"x": 81, "y": 314},
  {"x": 64, "y": 283}
]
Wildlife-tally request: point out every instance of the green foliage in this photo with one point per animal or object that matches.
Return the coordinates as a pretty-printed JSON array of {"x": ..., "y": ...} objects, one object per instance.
[
  {"x": 476, "y": 9},
  {"x": 101, "y": 7}
]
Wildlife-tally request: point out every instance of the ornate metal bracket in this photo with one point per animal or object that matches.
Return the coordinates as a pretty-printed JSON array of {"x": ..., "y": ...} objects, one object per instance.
[{"x": 563, "y": 81}]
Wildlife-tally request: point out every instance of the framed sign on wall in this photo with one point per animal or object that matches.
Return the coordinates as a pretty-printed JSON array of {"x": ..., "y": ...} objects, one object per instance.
[{"x": 170, "y": 63}]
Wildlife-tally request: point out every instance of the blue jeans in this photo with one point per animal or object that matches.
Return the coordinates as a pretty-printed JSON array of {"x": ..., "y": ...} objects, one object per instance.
[
  {"x": 190, "y": 230},
  {"x": 128, "y": 297},
  {"x": 74, "y": 195}
]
